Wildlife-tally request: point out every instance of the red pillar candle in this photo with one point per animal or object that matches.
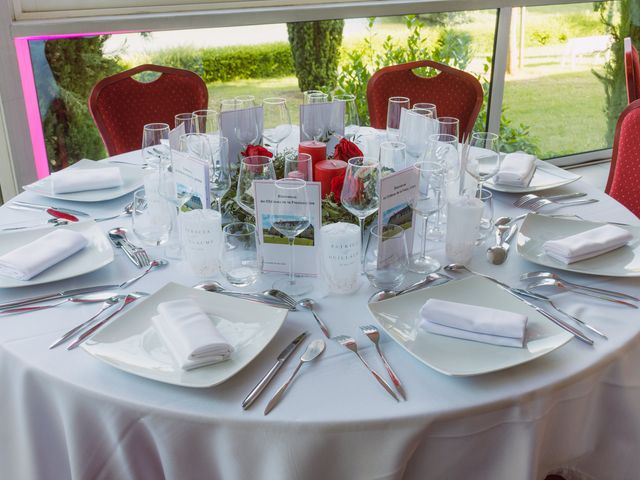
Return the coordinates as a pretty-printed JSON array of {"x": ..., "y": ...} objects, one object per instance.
[
  {"x": 325, "y": 170},
  {"x": 317, "y": 150}
]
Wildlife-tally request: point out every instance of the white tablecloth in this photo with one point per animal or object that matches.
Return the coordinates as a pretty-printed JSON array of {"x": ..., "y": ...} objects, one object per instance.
[{"x": 68, "y": 415}]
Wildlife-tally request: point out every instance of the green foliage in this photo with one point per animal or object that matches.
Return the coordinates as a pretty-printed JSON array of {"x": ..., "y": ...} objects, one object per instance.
[
  {"x": 269, "y": 60},
  {"x": 315, "y": 47},
  {"x": 541, "y": 37}
]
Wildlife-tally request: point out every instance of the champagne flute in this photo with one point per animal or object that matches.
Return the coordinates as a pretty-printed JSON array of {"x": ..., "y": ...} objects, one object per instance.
[
  {"x": 360, "y": 190},
  {"x": 486, "y": 162},
  {"x": 443, "y": 149},
  {"x": 277, "y": 121},
  {"x": 427, "y": 201},
  {"x": 155, "y": 145},
  {"x": 449, "y": 126},
  {"x": 394, "y": 112},
  {"x": 298, "y": 165},
  {"x": 290, "y": 218},
  {"x": 351, "y": 118},
  {"x": 185, "y": 119},
  {"x": 206, "y": 121},
  {"x": 252, "y": 168},
  {"x": 219, "y": 170}
]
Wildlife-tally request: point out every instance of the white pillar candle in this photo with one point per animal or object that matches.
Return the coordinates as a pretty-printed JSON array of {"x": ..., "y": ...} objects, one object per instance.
[
  {"x": 201, "y": 236},
  {"x": 340, "y": 257}
]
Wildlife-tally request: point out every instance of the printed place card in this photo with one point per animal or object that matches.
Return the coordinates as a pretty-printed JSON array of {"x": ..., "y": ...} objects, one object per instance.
[
  {"x": 397, "y": 190},
  {"x": 192, "y": 179}
]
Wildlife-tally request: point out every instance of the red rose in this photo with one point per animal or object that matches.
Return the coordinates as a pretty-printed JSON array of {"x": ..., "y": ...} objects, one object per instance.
[
  {"x": 346, "y": 150},
  {"x": 336, "y": 187},
  {"x": 255, "y": 150}
]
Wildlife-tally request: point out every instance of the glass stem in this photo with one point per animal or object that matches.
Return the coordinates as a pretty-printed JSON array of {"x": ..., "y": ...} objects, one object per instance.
[
  {"x": 423, "y": 250},
  {"x": 361, "y": 222},
  {"x": 292, "y": 278}
]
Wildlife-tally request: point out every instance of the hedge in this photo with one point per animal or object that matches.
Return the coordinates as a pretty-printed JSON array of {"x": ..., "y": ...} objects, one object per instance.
[{"x": 269, "y": 60}]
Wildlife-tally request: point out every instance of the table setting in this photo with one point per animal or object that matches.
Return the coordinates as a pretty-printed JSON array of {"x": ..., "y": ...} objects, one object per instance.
[{"x": 220, "y": 300}]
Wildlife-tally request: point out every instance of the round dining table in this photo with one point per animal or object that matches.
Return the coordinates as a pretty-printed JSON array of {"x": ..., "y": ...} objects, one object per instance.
[{"x": 574, "y": 411}]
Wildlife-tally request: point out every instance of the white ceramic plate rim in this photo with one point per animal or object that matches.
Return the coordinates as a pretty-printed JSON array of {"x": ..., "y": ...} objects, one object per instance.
[{"x": 564, "y": 178}]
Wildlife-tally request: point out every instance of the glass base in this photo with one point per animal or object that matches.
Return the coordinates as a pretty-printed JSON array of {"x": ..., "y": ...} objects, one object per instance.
[
  {"x": 420, "y": 264},
  {"x": 300, "y": 286}
]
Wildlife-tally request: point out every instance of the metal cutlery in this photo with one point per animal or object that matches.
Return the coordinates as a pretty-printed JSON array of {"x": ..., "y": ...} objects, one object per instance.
[
  {"x": 537, "y": 296},
  {"x": 138, "y": 256},
  {"x": 279, "y": 294},
  {"x": 351, "y": 344},
  {"x": 89, "y": 298},
  {"x": 130, "y": 298},
  {"x": 498, "y": 253},
  {"x": 153, "y": 264},
  {"x": 110, "y": 302},
  {"x": 36, "y": 206},
  {"x": 613, "y": 293},
  {"x": 51, "y": 211},
  {"x": 528, "y": 199},
  {"x": 550, "y": 282},
  {"x": 139, "y": 251},
  {"x": 432, "y": 277},
  {"x": 307, "y": 304},
  {"x": 260, "y": 297},
  {"x": 266, "y": 379},
  {"x": 373, "y": 334},
  {"x": 312, "y": 352},
  {"x": 456, "y": 267},
  {"x": 543, "y": 202},
  {"x": 56, "y": 222},
  {"x": 127, "y": 210}
]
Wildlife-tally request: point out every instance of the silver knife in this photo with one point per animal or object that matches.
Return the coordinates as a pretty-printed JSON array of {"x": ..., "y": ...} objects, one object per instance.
[
  {"x": 34, "y": 206},
  {"x": 264, "y": 381},
  {"x": 53, "y": 296}
]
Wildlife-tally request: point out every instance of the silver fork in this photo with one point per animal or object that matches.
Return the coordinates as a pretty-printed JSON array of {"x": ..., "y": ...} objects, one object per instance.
[
  {"x": 525, "y": 200},
  {"x": 138, "y": 252},
  {"x": 543, "y": 202},
  {"x": 279, "y": 294},
  {"x": 351, "y": 344},
  {"x": 374, "y": 335}
]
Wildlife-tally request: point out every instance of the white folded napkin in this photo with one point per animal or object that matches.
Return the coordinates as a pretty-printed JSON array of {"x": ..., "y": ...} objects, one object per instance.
[
  {"x": 190, "y": 335},
  {"x": 516, "y": 169},
  {"x": 80, "y": 180},
  {"x": 29, "y": 260},
  {"x": 587, "y": 244},
  {"x": 471, "y": 322}
]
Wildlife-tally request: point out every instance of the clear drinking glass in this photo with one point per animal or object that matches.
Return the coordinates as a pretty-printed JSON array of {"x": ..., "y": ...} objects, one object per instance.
[
  {"x": 427, "y": 109},
  {"x": 485, "y": 163},
  {"x": 252, "y": 168},
  {"x": 308, "y": 93},
  {"x": 239, "y": 261},
  {"x": 245, "y": 101},
  {"x": 277, "y": 121},
  {"x": 449, "y": 126},
  {"x": 486, "y": 220},
  {"x": 415, "y": 132},
  {"x": 185, "y": 119},
  {"x": 386, "y": 260},
  {"x": 246, "y": 126},
  {"x": 152, "y": 218},
  {"x": 443, "y": 149},
  {"x": 228, "y": 105},
  {"x": 427, "y": 201},
  {"x": 219, "y": 170},
  {"x": 314, "y": 123},
  {"x": 205, "y": 121},
  {"x": 361, "y": 189},
  {"x": 393, "y": 156},
  {"x": 351, "y": 117},
  {"x": 298, "y": 165},
  {"x": 155, "y": 145},
  {"x": 291, "y": 218},
  {"x": 315, "y": 96},
  {"x": 394, "y": 111}
]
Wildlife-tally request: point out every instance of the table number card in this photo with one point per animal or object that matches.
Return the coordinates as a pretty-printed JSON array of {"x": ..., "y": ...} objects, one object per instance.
[
  {"x": 174, "y": 137},
  {"x": 192, "y": 177},
  {"x": 396, "y": 192},
  {"x": 228, "y": 122},
  {"x": 274, "y": 247},
  {"x": 326, "y": 118}
]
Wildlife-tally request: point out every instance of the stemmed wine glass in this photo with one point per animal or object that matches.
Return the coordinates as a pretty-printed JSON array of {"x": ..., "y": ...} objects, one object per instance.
[
  {"x": 427, "y": 109},
  {"x": 290, "y": 218},
  {"x": 360, "y": 190},
  {"x": 415, "y": 133},
  {"x": 246, "y": 126},
  {"x": 277, "y": 121},
  {"x": 427, "y": 201},
  {"x": 298, "y": 165},
  {"x": 393, "y": 156},
  {"x": 252, "y": 168},
  {"x": 245, "y": 101},
  {"x": 486, "y": 163},
  {"x": 351, "y": 118},
  {"x": 449, "y": 126},
  {"x": 219, "y": 170},
  {"x": 314, "y": 122},
  {"x": 185, "y": 119},
  {"x": 394, "y": 113},
  {"x": 443, "y": 149},
  {"x": 155, "y": 145},
  {"x": 307, "y": 94}
]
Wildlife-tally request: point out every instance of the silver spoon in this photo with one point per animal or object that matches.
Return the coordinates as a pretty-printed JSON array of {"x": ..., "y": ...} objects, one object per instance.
[
  {"x": 308, "y": 303},
  {"x": 314, "y": 349},
  {"x": 128, "y": 208},
  {"x": 549, "y": 282},
  {"x": 263, "y": 297},
  {"x": 91, "y": 298},
  {"x": 385, "y": 294},
  {"x": 612, "y": 293},
  {"x": 154, "y": 264},
  {"x": 498, "y": 253}
]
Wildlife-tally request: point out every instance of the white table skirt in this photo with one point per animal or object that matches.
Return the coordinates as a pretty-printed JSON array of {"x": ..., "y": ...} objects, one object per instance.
[{"x": 68, "y": 415}]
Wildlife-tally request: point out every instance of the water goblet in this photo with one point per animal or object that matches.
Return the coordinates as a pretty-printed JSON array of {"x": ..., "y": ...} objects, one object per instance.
[
  {"x": 246, "y": 126},
  {"x": 252, "y": 168},
  {"x": 205, "y": 121},
  {"x": 485, "y": 162},
  {"x": 426, "y": 109},
  {"x": 351, "y": 117},
  {"x": 155, "y": 145},
  {"x": 386, "y": 259},
  {"x": 449, "y": 126}
]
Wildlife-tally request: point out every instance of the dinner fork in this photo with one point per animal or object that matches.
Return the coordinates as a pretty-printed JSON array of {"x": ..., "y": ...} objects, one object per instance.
[
  {"x": 528, "y": 199},
  {"x": 374, "y": 335},
  {"x": 543, "y": 202},
  {"x": 351, "y": 344},
  {"x": 140, "y": 257},
  {"x": 538, "y": 275}
]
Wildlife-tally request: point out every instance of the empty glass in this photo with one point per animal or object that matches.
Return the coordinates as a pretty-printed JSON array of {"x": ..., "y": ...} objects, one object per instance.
[
  {"x": 290, "y": 218},
  {"x": 394, "y": 112},
  {"x": 239, "y": 261},
  {"x": 315, "y": 96},
  {"x": 449, "y": 126},
  {"x": 252, "y": 168},
  {"x": 314, "y": 121},
  {"x": 298, "y": 165},
  {"x": 485, "y": 161},
  {"x": 155, "y": 145},
  {"x": 415, "y": 132},
  {"x": 443, "y": 149},
  {"x": 386, "y": 260},
  {"x": 426, "y": 109},
  {"x": 277, "y": 121},
  {"x": 306, "y": 95},
  {"x": 245, "y": 101},
  {"x": 185, "y": 119},
  {"x": 228, "y": 104},
  {"x": 392, "y": 156},
  {"x": 152, "y": 218},
  {"x": 205, "y": 121},
  {"x": 351, "y": 117},
  {"x": 246, "y": 126},
  {"x": 486, "y": 221},
  {"x": 219, "y": 170}
]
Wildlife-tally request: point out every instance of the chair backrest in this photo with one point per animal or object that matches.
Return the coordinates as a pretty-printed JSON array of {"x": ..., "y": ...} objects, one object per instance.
[
  {"x": 631, "y": 70},
  {"x": 624, "y": 175},
  {"x": 455, "y": 93},
  {"x": 121, "y": 106}
]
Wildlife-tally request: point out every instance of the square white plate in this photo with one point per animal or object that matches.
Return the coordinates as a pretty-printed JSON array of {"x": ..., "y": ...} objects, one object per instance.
[
  {"x": 131, "y": 343},
  {"x": 399, "y": 317},
  {"x": 547, "y": 176},
  {"x": 537, "y": 229},
  {"x": 132, "y": 179},
  {"x": 95, "y": 255}
]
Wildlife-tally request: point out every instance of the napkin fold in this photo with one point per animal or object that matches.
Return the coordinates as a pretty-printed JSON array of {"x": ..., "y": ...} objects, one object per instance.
[
  {"x": 587, "y": 244},
  {"x": 29, "y": 260},
  {"x": 80, "y": 180},
  {"x": 516, "y": 169},
  {"x": 470, "y": 322},
  {"x": 190, "y": 335}
]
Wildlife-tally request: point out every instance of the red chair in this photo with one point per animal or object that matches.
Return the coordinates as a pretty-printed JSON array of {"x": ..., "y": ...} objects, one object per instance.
[
  {"x": 121, "y": 106},
  {"x": 624, "y": 175},
  {"x": 454, "y": 92},
  {"x": 631, "y": 70}
]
